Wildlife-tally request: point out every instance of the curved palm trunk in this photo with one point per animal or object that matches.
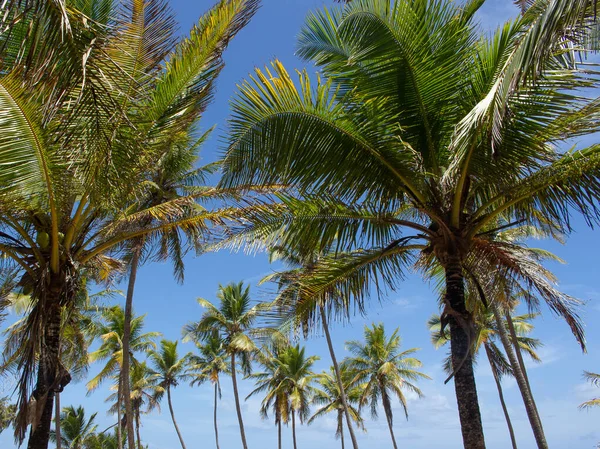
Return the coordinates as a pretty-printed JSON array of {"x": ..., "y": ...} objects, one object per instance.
[
  {"x": 137, "y": 429},
  {"x": 340, "y": 383},
  {"x": 173, "y": 417},
  {"x": 294, "y": 429},
  {"x": 135, "y": 260},
  {"x": 57, "y": 422},
  {"x": 215, "y": 414},
  {"x": 534, "y": 420},
  {"x": 511, "y": 431},
  {"x": 462, "y": 358},
  {"x": 51, "y": 376},
  {"x": 237, "y": 401},
  {"x": 387, "y": 407}
]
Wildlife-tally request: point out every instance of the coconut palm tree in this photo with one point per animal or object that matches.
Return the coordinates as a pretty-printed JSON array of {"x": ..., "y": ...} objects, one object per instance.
[
  {"x": 487, "y": 338},
  {"x": 169, "y": 370},
  {"x": 329, "y": 397},
  {"x": 594, "y": 379},
  {"x": 110, "y": 331},
  {"x": 209, "y": 365},
  {"x": 383, "y": 371},
  {"x": 112, "y": 86},
  {"x": 7, "y": 413},
  {"x": 421, "y": 139},
  {"x": 235, "y": 323},
  {"x": 77, "y": 431}
]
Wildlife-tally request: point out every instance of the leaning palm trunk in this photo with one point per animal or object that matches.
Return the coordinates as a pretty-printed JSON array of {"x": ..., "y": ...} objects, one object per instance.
[
  {"x": 57, "y": 422},
  {"x": 387, "y": 407},
  {"x": 340, "y": 383},
  {"x": 460, "y": 321},
  {"x": 173, "y": 417},
  {"x": 215, "y": 414},
  {"x": 135, "y": 260},
  {"x": 237, "y": 401},
  {"x": 536, "y": 424},
  {"x": 511, "y": 431}
]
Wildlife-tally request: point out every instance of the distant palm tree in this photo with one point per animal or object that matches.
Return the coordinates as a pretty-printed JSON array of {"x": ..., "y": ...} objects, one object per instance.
[
  {"x": 77, "y": 431},
  {"x": 487, "y": 336},
  {"x": 209, "y": 365},
  {"x": 234, "y": 321},
  {"x": 169, "y": 370},
  {"x": 383, "y": 371},
  {"x": 8, "y": 412},
  {"x": 594, "y": 379},
  {"x": 329, "y": 397}
]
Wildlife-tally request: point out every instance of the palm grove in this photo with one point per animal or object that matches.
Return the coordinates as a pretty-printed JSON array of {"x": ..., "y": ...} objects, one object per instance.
[{"x": 423, "y": 144}]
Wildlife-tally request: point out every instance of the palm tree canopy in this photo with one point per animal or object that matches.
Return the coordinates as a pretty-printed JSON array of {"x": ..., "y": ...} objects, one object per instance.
[
  {"x": 594, "y": 379},
  {"x": 382, "y": 369},
  {"x": 76, "y": 430},
  {"x": 212, "y": 361},
  {"x": 166, "y": 364}
]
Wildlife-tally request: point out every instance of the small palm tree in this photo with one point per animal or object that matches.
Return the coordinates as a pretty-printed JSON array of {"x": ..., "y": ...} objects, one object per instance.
[
  {"x": 234, "y": 321},
  {"x": 77, "y": 431},
  {"x": 209, "y": 365},
  {"x": 7, "y": 413},
  {"x": 169, "y": 370},
  {"x": 487, "y": 337},
  {"x": 383, "y": 371},
  {"x": 594, "y": 379},
  {"x": 329, "y": 398}
]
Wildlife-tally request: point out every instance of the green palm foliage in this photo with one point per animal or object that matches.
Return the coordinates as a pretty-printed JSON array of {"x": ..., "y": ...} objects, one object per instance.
[
  {"x": 422, "y": 138},
  {"x": 329, "y": 399},
  {"x": 7, "y": 413},
  {"x": 594, "y": 379},
  {"x": 114, "y": 90},
  {"x": 169, "y": 370},
  {"x": 383, "y": 371},
  {"x": 212, "y": 362},
  {"x": 234, "y": 321},
  {"x": 77, "y": 431}
]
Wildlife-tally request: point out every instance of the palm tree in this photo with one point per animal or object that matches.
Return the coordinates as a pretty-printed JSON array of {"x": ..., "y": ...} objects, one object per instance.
[
  {"x": 110, "y": 331},
  {"x": 594, "y": 379},
  {"x": 77, "y": 431},
  {"x": 383, "y": 371},
  {"x": 112, "y": 86},
  {"x": 422, "y": 138},
  {"x": 329, "y": 398},
  {"x": 169, "y": 370},
  {"x": 234, "y": 321},
  {"x": 209, "y": 365},
  {"x": 487, "y": 337},
  {"x": 7, "y": 413}
]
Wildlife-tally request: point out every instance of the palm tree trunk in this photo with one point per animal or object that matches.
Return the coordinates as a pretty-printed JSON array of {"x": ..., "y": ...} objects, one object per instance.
[
  {"x": 338, "y": 377},
  {"x": 51, "y": 376},
  {"x": 135, "y": 260},
  {"x": 57, "y": 422},
  {"x": 279, "y": 434},
  {"x": 294, "y": 429},
  {"x": 511, "y": 431},
  {"x": 462, "y": 359},
  {"x": 341, "y": 425},
  {"x": 536, "y": 424},
  {"x": 215, "y": 414},
  {"x": 237, "y": 401},
  {"x": 173, "y": 417},
  {"x": 387, "y": 407},
  {"x": 119, "y": 393},
  {"x": 137, "y": 428}
]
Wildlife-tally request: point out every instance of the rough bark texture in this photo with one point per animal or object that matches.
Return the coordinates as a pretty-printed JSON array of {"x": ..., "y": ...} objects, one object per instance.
[
  {"x": 173, "y": 417},
  {"x": 536, "y": 425},
  {"x": 51, "y": 376},
  {"x": 462, "y": 360},
  {"x": 387, "y": 407},
  {"x": 126, "y": 337},
  {"x": 511, "y": 431},
  {"x": 238, "y": 409},
  {"x": 340, "y": 383},
  {"x": 215, "y": 414},
  {"x": 294, "y": 429}
]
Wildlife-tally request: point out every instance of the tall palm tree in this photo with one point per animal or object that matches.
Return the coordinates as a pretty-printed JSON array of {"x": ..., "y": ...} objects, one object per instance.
[
  {"x": 77, "y": 431},
  {"x": 422, "y": 138},
  {"x": 235, "y": 323},
  {"x": 112, "y": 85},
  {"x": 383, "y": 371},
  {"x": 209, "y": 365},
  {"x": 487, "y": 338},
  {"x": 169, "y": 370},
  {"x": 110, "y": 331},
  {"x": 329, "y": 397},
  {"x": 594, "y": 379}
]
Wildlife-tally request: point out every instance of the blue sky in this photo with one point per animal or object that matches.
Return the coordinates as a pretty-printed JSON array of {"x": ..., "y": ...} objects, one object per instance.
[{"x": 433, "y": 421}]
